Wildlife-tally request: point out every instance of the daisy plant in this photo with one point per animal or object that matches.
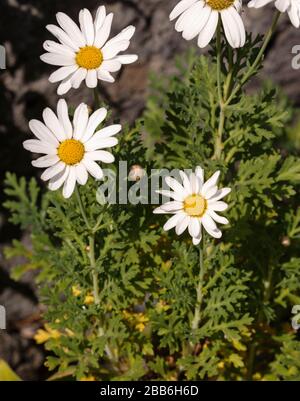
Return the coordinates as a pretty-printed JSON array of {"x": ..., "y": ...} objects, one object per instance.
[
  {"x": 85, "y": 52},
  {"x": 194, "y": 207},
  {"x": 71, "y": 150},
  {"x": 133, "y": 294}
]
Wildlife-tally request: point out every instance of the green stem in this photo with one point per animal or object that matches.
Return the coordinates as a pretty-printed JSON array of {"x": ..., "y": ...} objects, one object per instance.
[
  {"x": 91, "y": 252},
  {"x": 92, "y": 260},
  {"x": 94, "y": 269},
  {"x": 229, "y": 93},
  {"x": 82, "y": 211},
  {"x": 199, "y": 290},
  {"x": 258, "y": 59},
  {"x": 219, "y": 133}
]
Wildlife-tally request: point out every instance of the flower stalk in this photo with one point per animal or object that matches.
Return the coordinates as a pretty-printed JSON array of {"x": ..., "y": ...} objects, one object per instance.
[{"x": 199, "y": 289}]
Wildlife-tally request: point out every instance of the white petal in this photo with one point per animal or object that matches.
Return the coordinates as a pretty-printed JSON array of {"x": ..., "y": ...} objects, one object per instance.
[
  {"x": 45, "y": 161},
  {"x": 233, "y": 27},
  {"x": 181, "y": 7},
  {"x": 182, "y": 226},
  {"x": 53, "y": 124},
  {"x": 217, "y": 218},
  {"x": 207, "y": 33},
  {"x": 63, "y": 117},
  {"x": 105, "y": 75},
  {"x": 81, "y": 174},
  {"x": 240, "y": 26},
  {"x": 91, "y": 79},
  {"x": 80, "y": 120},
  {"x": 36, "y": 146},
  {"x": 125, "y": 34},
  {"x": 111, "y": 65},
  {"x": 258, "y": 3},
  {"x": 159, "y": 210},
  {"x": 171, "y": 194},
  {"x": 195, "y": 183},
  {"x": 221, "y": 193},
  {"x": 57, "y": 48},
  {"x": 217, "y": 206},
  {"x": 62, "y": 37},
  {"x": 282, "y": 5},
  {"x": 210, "y": 226},
  {"x": 104, "y": 32},
  {"x": 294, "y": 14},
  {"x": 42, "y": 132},
  {"x": 78, "y": 77},
  {"x": 71, "y": 28},
  {"x": 173, "y": 221},
  {"x": 64, "y": 87},
  {"x": 173, "y": 206},
  {"x": 96, "y": 143},
  {"x": 127, "y": 58},
  {"x": 63, "y": 73},
  {"x": 94, "y": 121},
  {"x": 211, "y": 182},
  {"x": 57, "y": 181},
  {"x": 108, "y": 131},
  {"x": 57, "y": 59},
  {"x": 200, "y": 174},
  {"x": 210, "y": 192},
  {"x": 194, "y": 227},
  {"x": 70, "y": 183},
  {"x": 87, "y": 26},
  {"x": 100, "y": 17},
  {"x": 111, "y": 50},
  {"x": 100, "y": 155},
  {"x": 197, "y": 240},
  {"x": 186, "y": 182},
  {"x": 178, "y": 188},
  {"x": 53, "y": 171},
  {"x": 199, "y": 18},
  {"x": 93, "y": 168}
]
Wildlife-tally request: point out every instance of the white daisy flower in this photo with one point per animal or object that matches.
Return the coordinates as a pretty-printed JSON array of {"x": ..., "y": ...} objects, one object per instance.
[
  {"x": 292, "y": 7},
  {"x": 71, "y": 150},
  {"x": 85, "y": 53},
  {"x": 194, "y": 205},
  {"x": 201, "y": 17}
]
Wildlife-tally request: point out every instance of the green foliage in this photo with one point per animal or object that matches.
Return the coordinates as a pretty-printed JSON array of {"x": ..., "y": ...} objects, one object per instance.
[{"x": 141, "y": 328}]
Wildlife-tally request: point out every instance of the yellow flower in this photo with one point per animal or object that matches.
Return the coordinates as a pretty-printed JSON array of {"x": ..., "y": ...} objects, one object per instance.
[
  {"x": 76, "y": 291},
  {"x": 43, "y": 336},
  {"x": 140, "y": 327},
  {"x": 69, "y": 332},
  {"x": 161, "y": 306},
  {"x": 89, "y": 299},
  {"x": 88, "y": 379},
  {"x": 138, "y": 320}
]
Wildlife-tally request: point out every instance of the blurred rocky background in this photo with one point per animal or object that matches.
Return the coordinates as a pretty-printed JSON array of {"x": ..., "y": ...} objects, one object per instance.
[{"x": 25, "y": 91}]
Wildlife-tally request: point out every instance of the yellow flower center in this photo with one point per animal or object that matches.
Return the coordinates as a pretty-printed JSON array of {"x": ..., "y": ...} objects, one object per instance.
[
  {"x": 195, "y": 205},
  {"x": 71, "y": 151},
  {"x": 89, "y": 57},
  {"x": 220, "y": 4}
]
